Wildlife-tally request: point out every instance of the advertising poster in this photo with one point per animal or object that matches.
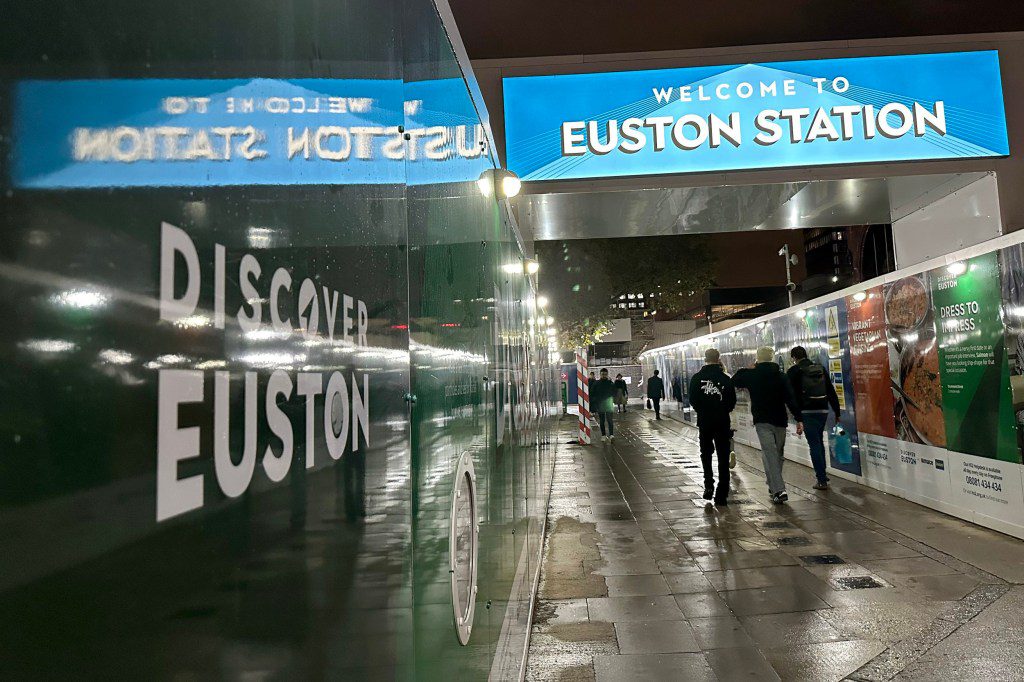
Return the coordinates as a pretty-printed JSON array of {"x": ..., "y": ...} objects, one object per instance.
[
  {"x": 829, "y": 324},
  {"x": 914, "y": 361},
  {"x": 869, "y": 363},
  {"x": 976, "y": 396}
]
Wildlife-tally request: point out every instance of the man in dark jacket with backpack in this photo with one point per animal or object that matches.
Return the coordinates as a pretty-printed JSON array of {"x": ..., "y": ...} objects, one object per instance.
[
  {"x": 815, "y": 395},
  {"x": 713, "y": 397}
]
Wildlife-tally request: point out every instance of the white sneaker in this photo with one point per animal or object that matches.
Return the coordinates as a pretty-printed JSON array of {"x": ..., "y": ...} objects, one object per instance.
[
  {"x": 732, "y": 459},
  {"x": 604, "y": 439},
  {"x": 611, "y": 437}
]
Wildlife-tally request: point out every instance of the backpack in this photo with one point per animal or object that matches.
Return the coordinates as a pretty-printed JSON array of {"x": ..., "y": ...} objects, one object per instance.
[{"x": 814, "y": 386}]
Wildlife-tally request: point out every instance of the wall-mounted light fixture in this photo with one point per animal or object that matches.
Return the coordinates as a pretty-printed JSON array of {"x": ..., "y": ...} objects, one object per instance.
[{"x": 504, "y": 181}]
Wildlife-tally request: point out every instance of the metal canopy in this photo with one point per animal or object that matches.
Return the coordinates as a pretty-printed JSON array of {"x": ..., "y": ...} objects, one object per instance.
[{"x": 732, "y": 208}]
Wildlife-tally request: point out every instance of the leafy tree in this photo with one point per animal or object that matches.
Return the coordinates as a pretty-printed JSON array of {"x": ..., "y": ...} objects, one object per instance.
[{"x": 583, "y": 278}]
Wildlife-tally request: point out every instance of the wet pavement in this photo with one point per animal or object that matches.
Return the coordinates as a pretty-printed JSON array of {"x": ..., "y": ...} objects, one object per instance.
[{"x": 644, "y": 580}]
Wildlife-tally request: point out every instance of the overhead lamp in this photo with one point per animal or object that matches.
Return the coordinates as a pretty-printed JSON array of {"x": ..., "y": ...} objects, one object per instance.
[
  {"x": 801, "y": 313},
  {"x": 542, "y": 302},
  {"x": 860, "y": 296},
  {"x": 835, "y": 278},
  {"x": 956, "y": 269},
  {"x": 532, "y": 267},
  {"x": 507, "y": 183}
]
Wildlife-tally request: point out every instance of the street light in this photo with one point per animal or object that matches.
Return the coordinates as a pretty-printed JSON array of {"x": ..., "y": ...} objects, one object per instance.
[{"x": 791, "y": 259}]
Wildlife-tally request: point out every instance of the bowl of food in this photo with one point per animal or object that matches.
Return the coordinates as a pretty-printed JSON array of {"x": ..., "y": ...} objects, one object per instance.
[
  {"x": 907, "y": 304},
  {"x": 921, "y": 393}
]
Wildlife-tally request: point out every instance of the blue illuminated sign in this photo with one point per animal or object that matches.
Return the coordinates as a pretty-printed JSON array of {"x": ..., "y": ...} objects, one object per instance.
[
  {"x": 745, "y": 116},
  {"x": 256, "y": 131}
]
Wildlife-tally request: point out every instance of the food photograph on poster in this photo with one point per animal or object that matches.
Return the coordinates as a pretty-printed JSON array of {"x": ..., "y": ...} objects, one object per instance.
[{"x": 914, "y": 362}]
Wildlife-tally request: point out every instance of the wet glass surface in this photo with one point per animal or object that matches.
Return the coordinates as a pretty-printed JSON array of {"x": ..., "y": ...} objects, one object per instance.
[{"x": 212, "y": 461}]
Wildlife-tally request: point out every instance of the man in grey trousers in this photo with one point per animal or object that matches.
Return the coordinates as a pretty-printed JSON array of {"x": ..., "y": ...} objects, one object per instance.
[{"x": 770, "y": 395}]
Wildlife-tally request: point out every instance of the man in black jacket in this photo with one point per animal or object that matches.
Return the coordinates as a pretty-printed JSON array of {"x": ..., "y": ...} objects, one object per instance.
[
  {"x": 655, "y": 392},
  {"x": 815, "y": 395},
  {"x": 770, "y": 395},
  {"x": 713, "y": 397}
]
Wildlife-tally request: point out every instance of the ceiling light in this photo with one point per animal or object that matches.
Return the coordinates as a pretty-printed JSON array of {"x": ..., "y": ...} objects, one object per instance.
[{"x": 956, "y": 269}]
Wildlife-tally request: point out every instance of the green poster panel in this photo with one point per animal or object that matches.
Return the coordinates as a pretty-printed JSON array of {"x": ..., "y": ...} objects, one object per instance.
[{"x": 972, "y": 359}]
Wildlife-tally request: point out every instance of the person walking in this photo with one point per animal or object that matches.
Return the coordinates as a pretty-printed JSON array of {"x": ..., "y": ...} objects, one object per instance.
[
  {"x": 815, "y": 395},
  {"x": 713, "y": 397},
  {"x": 770, "y": 395},
  {"x": 621, "y": 393},
  {"x": 655, "y": 392},
  {"x": 602, "y": 395}
]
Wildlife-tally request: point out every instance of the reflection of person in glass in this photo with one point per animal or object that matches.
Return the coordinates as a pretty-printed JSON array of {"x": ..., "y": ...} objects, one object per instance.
[{"x": 353, "y": 471}]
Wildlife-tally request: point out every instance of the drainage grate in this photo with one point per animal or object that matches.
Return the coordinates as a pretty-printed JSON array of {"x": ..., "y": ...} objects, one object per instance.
[
  {"x": 856, "y": 582},
  {"x": 793, "y": 541},
  {"x": 822, "y": 559},
  {"x": 777, "y": 524}
]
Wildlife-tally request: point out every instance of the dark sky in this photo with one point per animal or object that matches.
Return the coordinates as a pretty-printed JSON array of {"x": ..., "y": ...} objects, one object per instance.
[{"x": 525, "y": 28}]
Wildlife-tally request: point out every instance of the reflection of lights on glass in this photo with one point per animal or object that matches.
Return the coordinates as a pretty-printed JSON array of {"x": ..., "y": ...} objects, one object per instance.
[
  {"x": 270, "y": 359},
  {"x": 485, "y": 184},
  {"x": 801, "y": 313},
  {"x": 956, "y": 269},
  {"x": 211, "y": 364},
  {"x": 550, "y": 320},
  {"x": 860, "y": 296},
  {"x": 172, "y": 359},
  {"x": 542, "y": 301},
  {"x": 48, "y": 346},
  {"x": 532, "y": 267},
  {"x": 265, "y": 335},
  {"x": 192, "y": 321},
  {"x": 113, "y": 356},
  {"x": 260, "y": 237},
  {"x": 551, "y": 331},
  {"x": 950, "y": 324},
  {"x": 512, "y": 268},
  {"x": 835, "y": 278},
  {"x": 79, "y": 298}
]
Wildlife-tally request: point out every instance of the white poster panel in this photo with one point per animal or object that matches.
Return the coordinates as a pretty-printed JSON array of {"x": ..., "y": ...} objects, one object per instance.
[
  {"x": 992, "y": 488},
  {"x": 920, "y": 473}
]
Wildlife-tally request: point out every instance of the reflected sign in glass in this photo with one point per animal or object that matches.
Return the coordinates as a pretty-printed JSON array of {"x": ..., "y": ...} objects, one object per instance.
[
  {"x": 184, "y": 133},
  {"x": 745, "y": 116}
]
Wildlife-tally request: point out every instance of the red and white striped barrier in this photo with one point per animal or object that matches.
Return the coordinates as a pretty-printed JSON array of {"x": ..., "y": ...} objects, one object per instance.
[{"x": 583, "y": 397}]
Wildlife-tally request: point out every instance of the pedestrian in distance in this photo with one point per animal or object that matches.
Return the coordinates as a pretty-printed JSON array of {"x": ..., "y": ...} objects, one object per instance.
[
  {"x": 770, "y": 395},
  {"x": 655, "y": 393},
  {"x": 602, "y": 396},
  {"x": 815, "y": 396},
  {"x": 713, "y": 397},
  {"x": 621, "y": 393}
]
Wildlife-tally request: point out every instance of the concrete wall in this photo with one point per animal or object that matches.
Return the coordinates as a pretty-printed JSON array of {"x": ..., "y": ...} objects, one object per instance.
[{"x": 1009, "y": 170}]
